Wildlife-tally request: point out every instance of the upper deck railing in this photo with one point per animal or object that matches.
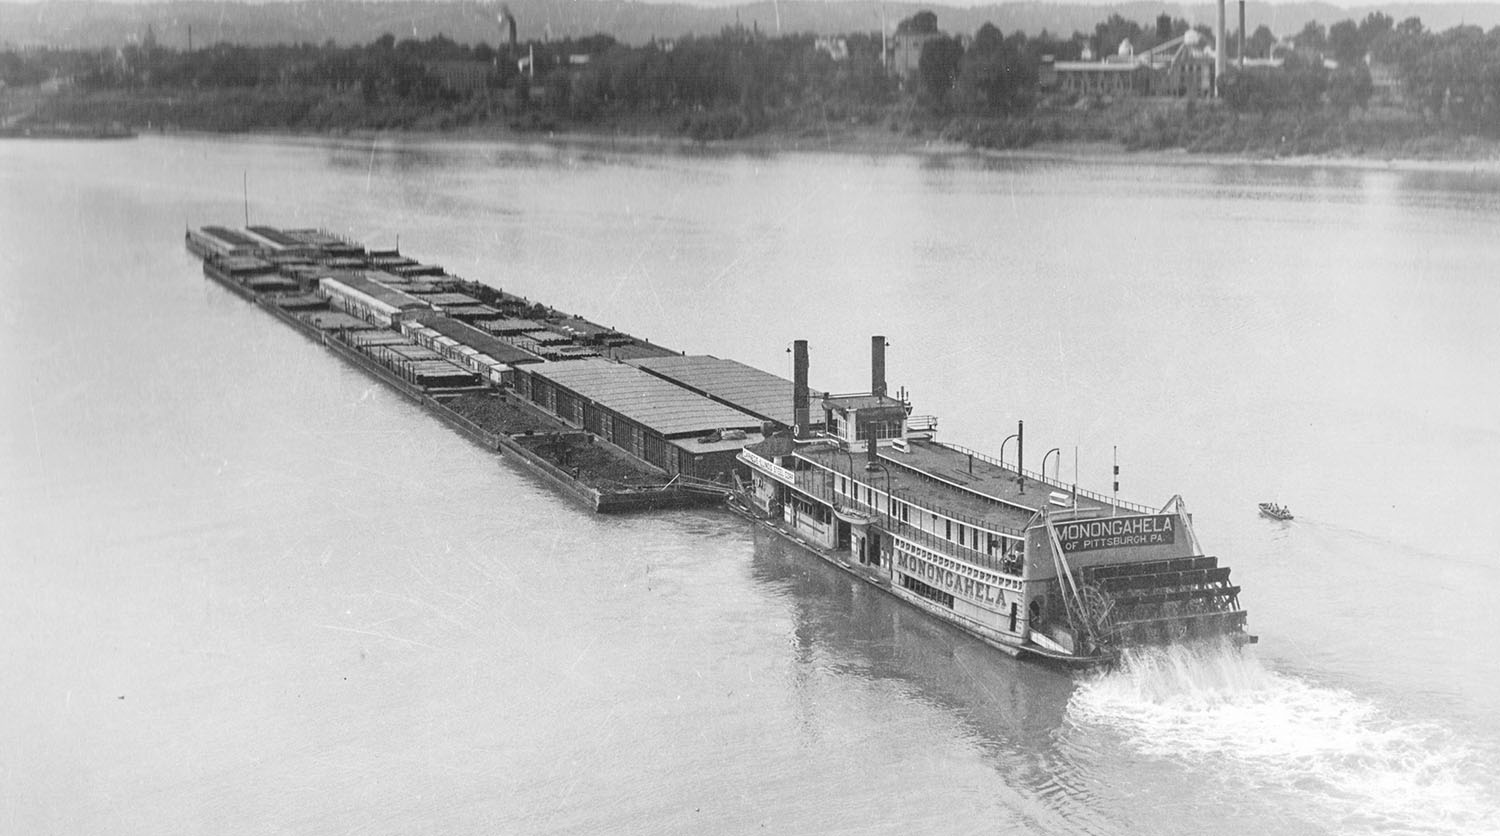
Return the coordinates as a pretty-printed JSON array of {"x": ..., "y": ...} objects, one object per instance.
[
  {"x": 1136, "y": 507},
  {"x": 1037, "y": 477}
]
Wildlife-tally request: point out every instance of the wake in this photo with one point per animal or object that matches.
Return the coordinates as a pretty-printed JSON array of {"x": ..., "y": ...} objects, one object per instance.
[{"x": 1215, "y": 707}]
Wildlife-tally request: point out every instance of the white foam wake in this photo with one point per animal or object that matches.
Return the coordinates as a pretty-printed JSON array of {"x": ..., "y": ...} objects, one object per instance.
[{"x": 1216, "y": 707}]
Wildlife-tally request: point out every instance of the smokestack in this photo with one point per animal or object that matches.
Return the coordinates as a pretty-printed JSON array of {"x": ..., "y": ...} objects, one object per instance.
[
  {"x": 1242, "y": 34},
  {"x": 1021, "y": 455},
  {"x": 799, "y": 388},
  {"x": 877, "y": 366},
  {"x": 509, "y": 20},
  {"x": 1219, "y": 51}
]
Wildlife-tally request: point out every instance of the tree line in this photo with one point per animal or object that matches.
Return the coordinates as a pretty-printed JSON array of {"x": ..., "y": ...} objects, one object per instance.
[{"x": 741, "y": 80}]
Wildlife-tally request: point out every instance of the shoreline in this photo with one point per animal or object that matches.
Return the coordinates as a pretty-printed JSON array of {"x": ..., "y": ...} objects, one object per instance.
[{"x": 866, "y": 142}]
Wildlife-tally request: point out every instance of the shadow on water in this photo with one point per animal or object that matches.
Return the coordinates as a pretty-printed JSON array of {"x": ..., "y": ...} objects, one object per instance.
[
  {"x": 874, "y": 636},
  {"x": 1010, "y": 710}
]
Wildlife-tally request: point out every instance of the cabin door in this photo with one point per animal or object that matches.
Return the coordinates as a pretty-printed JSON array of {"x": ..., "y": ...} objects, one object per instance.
[{"x": 843, "y": 535}]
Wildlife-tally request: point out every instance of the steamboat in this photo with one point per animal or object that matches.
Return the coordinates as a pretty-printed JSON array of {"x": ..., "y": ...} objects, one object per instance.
[{"x": 1030, "y": 565}]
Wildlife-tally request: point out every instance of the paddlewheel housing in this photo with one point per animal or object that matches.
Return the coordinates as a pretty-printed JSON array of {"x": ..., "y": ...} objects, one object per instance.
[{"x": 1159, "y": 602}]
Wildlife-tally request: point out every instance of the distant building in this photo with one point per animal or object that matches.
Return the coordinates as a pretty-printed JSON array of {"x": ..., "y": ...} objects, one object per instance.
[
  {"x": 463, "y": 77},
  {"x": 906, "y": 51},
  {"x": 1385, "y": 83},
  {"x": 1180, "y": 67}
]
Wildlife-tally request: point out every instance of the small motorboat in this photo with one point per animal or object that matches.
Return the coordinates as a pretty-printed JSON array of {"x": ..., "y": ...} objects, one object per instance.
[{"x": 1274, "y": 511}]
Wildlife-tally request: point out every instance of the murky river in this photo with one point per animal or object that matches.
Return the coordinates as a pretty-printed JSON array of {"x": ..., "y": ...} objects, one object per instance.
[{"x": 245, "y": 589}]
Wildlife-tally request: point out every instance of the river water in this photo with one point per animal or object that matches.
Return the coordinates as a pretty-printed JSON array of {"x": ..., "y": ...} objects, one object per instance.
[{"x": 245, "y": 589}]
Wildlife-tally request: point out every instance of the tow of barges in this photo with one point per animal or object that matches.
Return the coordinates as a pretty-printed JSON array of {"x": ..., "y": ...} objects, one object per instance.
[{"x": 1027, "y": 564}]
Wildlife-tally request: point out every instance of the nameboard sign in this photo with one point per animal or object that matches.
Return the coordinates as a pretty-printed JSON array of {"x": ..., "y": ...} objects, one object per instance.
[{"x": 1118, "y": 533}]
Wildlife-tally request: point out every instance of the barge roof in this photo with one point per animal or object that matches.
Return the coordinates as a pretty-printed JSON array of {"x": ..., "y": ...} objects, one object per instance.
[
  {"x": 636, "y": 350},
  {"x": 443, "y": 298},
  {"x": 646, "y": 399},
  {"x": 276, "y": 236},
  {"x": 374, "y": 289},
  {"x": 509, "y": 326},
  {"x": 759, "y": 393},
  {"x": 335, "y": 321},
  {"x": 480, "y": 341}
]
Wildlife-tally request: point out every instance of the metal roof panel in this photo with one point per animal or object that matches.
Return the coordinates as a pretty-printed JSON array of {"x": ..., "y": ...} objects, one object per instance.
[{"x": 644, "y": 398}]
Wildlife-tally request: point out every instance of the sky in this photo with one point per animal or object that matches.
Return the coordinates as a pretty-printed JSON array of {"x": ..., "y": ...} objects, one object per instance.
[{"x": 955, "y": 3}]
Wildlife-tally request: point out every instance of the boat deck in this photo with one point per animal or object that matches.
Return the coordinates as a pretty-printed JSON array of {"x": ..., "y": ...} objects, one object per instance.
[{"x": 970, "y": 489}]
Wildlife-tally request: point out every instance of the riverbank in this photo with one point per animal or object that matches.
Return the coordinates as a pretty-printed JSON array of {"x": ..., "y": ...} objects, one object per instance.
[
  {"x": 1119, "y": 132},
  {"x": 876, "y": 142}
]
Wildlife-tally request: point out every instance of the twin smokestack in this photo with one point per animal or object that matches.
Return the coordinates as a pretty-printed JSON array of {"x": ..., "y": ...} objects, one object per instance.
[
  {"x": 799, "y": 389},
  {"x": 801, "y": 397}
]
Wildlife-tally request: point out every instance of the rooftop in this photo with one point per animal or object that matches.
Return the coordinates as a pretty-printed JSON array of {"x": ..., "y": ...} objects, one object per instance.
[
  {"x": 636, "y": 350},
  {"x": 861, "y": 401},
  {"x": 244, "y": 264},
  {"x": 478, "y": 340},
  {"x": 577, "y": 326},
  {"x": 759, "y": 393},
  {"x": 444, "y": 298},
  {"x": 940, "y": 477},
  {"x": 510, "y": 326},
  {"x": 1097, "y": 66},
  {"x": 276, "y": 236},
  {"x": 335, "y": 321},
  {"x": 646, "y": 399},
  {"x": 364, "y": 283}
]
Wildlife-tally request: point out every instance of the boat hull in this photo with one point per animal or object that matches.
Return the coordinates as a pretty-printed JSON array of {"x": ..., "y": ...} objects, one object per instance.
[{"x": 1006, "y": 644}]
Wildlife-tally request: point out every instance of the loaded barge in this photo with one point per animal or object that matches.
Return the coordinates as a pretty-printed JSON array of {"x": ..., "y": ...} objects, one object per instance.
[{"x": 1029, "y": 565}]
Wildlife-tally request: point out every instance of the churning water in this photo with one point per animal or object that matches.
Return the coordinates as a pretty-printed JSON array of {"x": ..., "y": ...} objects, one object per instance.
[
  {"x": 1339, "y": 756},
  {"x": 244, "y": 588}
]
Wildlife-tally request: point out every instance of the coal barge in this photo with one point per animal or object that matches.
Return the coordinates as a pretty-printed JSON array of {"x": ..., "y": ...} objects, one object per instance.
[{"x": 1029, "y": 565}]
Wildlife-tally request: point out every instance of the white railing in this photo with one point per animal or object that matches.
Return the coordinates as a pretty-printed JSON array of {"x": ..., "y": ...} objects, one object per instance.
[{"x": 1037, "y": 477}]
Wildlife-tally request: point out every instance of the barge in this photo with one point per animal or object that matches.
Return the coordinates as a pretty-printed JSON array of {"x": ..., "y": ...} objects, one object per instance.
[{"x": 1029, "y": 565}]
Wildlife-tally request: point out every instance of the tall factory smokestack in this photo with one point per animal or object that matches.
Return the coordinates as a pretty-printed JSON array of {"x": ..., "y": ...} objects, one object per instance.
[
  {"x": 1242, "y": 34},
  {"x": 877, "y": 366},
  {"x": 799, "y": 388},
  {"x": 510, "y": 22},
  {"x": 1219, "y": 52}
]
